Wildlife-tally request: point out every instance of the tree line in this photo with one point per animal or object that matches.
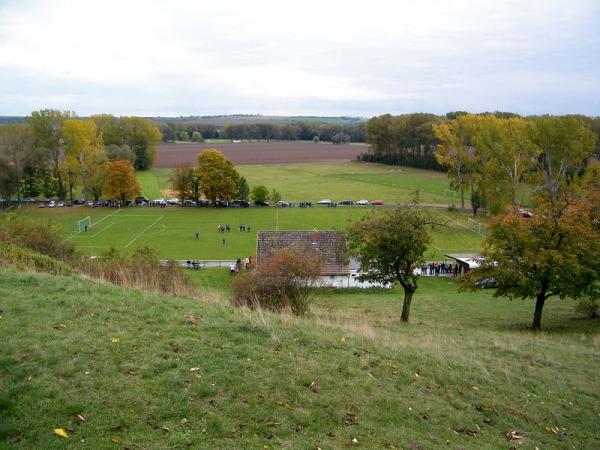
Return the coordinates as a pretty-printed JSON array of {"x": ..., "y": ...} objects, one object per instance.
[
  {"x": 488, "y": 157},
  {"x": 290, "y": 131},
  {"x": 410, "y": 140},
  {"x": 54, "y": 153}
]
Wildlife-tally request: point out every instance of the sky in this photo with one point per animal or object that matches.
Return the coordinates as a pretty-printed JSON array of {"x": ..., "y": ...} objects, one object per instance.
[{"x": 327, "y": 57}]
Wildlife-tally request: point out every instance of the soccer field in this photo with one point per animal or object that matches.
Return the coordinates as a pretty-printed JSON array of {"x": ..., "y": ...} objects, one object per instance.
[{"x": 171, "y": 231}]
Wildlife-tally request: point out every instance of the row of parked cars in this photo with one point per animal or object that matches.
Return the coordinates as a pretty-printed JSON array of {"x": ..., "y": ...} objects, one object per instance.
[{"x": 161, "y": 202}]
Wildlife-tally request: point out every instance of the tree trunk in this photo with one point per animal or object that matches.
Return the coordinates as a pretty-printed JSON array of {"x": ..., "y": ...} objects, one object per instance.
[
  {"x": 408, "y": 294},
  {"x": 537, "y": 315},
  {"x": 462, "y": 197}
]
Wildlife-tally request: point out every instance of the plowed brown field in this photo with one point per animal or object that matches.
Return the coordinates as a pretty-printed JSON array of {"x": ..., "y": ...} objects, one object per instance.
[{"x": 294, "y": 152}]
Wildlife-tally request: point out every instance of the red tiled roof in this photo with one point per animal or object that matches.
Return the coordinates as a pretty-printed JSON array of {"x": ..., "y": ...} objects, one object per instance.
[{"x": 326, "y": 245}]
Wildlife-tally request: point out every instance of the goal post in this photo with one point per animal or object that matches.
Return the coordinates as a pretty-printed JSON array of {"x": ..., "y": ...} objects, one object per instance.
[
  {"x": 478, "y": 226},
  {"x": 83, "y": 223}
]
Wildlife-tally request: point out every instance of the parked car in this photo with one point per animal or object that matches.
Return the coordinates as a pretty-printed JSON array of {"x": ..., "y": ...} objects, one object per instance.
[
  {"x": 160, "y": 202},
  {"x": 69, "y": 203},
  {"x": 220, "y": 203},
  {"x": 203, "y": 202},
  {"x": 259, "y": 203},
  {"x": 41, "y": 205},
  {"x": 60, "y": 204},
  {"x": 97, "y": 204},
  {"x": 283, "y": 204},
  {"x": 173, "y": 201},
  {"x": 79, "y": 201},
  {"x": 141, "y": 200},
  {"x": 346, "y": 202},
  {"x": 325, "y": 202},
  {"x": 362, "y": 202},
  {"x": 377, "y": 202},
  {"x": 486, "y": 283},
  {"x": 240, "y": 204},
  {"x": 305, "y": 204},
  {"x": 52, "y": 204},
  {"x": 188, "y": 203}
]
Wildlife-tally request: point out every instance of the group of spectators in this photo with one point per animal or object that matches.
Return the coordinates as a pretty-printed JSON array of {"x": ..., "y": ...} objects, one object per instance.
[
  {"x": 439, "y": 268},
  {"x": 242, "y": 264}
]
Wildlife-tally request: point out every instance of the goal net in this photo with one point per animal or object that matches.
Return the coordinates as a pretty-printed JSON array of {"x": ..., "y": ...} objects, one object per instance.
[{"x": 84, "y": 224}]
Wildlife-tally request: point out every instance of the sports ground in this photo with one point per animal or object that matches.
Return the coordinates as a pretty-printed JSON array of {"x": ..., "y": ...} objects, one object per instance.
[{"x": 171, "y": 231}]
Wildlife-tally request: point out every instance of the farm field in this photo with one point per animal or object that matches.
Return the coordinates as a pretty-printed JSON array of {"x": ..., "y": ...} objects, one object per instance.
[
  {"x": 171, "y": 231},
  {"x": 151, "y": 371},
  {"x": 274, "y": 152},
  {"x": 338, "y": 181}
]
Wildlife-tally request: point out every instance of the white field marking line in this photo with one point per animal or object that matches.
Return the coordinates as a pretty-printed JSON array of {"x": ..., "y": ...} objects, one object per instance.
[
  {"x": 457, "y": 222},
  {"x": 97, "y": 232},
  {"x": 143, "y": 231},
  {"x": 92, "y": 225}
]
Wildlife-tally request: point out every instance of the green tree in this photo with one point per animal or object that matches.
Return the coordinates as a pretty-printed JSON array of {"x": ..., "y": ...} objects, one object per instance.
[
  {"x": 218, "y": 175},
  {"x": 47, "y": 131},
  {"x": 259, "y": 193},
  {"x": 243, "y": 190},
  {"x": 456, "y": 152},
  {"x": 185, "y": 181},
  {"x": 564, "y": 143},
  {"x": 508, "y": 150},
  {"x": 554, "y": 253},
  {"x": 142, "y": 136},
  {"x": 16, "y": 143},
  {"x": 274, "y": 196},
  {"x": 114, "y": 151},
  {"x": 390, "y": 246}
]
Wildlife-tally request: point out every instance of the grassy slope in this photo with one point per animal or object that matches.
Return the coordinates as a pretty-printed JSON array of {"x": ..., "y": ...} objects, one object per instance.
[
  {"x": 478, "y": 375},
  {"x": 173, "y": 235},
  {"x": 338, "y": 181}
]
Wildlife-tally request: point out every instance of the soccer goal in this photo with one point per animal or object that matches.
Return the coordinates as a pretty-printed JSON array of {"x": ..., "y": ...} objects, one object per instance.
[
  {"x": 478, "y": 227},
  {"x": 84, "y": 224}
]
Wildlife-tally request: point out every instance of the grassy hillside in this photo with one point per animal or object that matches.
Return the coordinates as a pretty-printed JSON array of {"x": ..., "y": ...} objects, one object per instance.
[{"x": 150, "y": 371}]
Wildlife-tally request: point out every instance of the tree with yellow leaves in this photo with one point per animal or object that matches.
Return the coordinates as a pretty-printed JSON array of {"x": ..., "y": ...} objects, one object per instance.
[
  {"x": 122, "y": 183},
  {"x": 218, "y": 175}
]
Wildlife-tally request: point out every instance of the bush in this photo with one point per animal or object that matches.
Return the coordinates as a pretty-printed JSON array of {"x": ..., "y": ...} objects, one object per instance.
[
  {"x": 284, "y": 283},
  {"x": 42, "y": 238},
  {"x": 21, "y": 258},
  {"x": 588, "y": 308}
]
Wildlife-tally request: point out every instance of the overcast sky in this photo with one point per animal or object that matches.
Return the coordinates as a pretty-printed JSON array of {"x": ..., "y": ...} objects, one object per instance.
[{"x": 323, "y": 57}]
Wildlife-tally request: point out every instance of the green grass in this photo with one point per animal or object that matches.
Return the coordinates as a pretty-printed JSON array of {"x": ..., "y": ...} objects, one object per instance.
[
  {"x": 338, "y": 181},
  {"x": 462, "y": 375},
  {"x": 171, "y": 231}
]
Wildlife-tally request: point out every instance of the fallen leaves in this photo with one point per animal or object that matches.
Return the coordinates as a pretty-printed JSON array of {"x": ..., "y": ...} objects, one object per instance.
[
  {"x": 192, "y": 319},
  {"x": 314, "y": 387},
  {"x": 114, "y": 340},
  {"x": 60, "y": 326},
  {"x": 349, "y": 418},
  {"x": 515, "y": 435},
  {"x": 60, "y": 432}
]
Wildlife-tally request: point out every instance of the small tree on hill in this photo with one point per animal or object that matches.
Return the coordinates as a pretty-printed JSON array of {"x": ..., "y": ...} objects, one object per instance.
[
  {"x": 121, "y": 180},
  {"x": 390, "y": 246},
  {"x": 554, "y": 253},
  {"x": 259, "y": 193}
]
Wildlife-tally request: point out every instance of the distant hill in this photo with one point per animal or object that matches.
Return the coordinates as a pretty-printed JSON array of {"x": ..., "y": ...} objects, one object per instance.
[
  {"x": 11, "y": 119},
  {"x": 255, "y": 118}
]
